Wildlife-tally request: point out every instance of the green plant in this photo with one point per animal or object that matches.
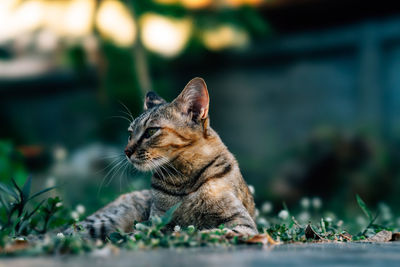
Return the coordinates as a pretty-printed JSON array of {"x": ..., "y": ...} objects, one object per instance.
[
  {"x": 372, "y": 226},
  {"x": 17, "y": 213}
]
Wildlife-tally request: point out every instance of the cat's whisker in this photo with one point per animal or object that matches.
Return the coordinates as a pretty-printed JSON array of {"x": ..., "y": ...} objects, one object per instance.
[
  {"x": 126, "y": 174},
  {"x": 169, "y": 164},
  {"x": 112, "y": 162},
  {"x": 108, "y": 173},
  {"x": 116, "y": 172},
  {"x": 168, "y": 174},
  {"x": 127, "y": 109},
  {"x": 129, "y": 115},
  {"x": 171, "y": 176},
  {"x": 120, "y": 117},
  {"x": 111, "y": 156},
  {"x": 122, "y": 175}
]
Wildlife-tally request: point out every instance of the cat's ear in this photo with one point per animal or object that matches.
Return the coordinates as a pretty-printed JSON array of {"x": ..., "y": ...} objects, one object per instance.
[
  {"x": 152, "y": 99},
  {"x": 194, "y": 99}
]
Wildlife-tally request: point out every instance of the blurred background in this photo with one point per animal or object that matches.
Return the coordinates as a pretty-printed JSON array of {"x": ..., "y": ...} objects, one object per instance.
[{"x": 305, "y": 93}]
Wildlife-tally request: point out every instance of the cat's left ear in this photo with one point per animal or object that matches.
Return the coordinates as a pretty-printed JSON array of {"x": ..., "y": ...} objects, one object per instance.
[
  {"x": 152, "y": 100},
  {"x": 194, "y": 99}
]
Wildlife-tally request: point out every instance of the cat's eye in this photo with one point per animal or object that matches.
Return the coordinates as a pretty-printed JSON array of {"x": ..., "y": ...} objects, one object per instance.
[
  {"x": 150, "y": 132},
  {"x": 130, "y": 136}
]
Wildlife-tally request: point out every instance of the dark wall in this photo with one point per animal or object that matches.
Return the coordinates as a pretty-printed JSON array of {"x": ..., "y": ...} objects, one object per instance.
[{"x": 274, "y": 97}]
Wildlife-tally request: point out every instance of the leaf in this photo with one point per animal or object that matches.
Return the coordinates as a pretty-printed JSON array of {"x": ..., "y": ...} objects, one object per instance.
[
  {"x": 346, "y": 236},
  {"x": 166, "y": 219},
  {"x": 16, "y": 187},
  {"x": 22, "y": 226},
  {"x": 364, "y": 208},
  {"x": 4, "y": 203},
  {"x": 35, "y": 209},
  {"x": 395, "y": 237},
  {"x": 41, "y": 192},
  {"x": 311, "y": 234},
  {"x": 26, "y": 188},
  {"x": 116, "y": 237},
  {"x": 8, "y": 190},
  {"x": 264, "y": 239},
  {"x": 382, "y": 236},
  {"x": 16, "y": 246}
]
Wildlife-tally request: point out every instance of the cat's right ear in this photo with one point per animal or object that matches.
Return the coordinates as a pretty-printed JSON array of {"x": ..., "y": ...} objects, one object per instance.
[
  {"x": 194, "y": 99},
  {"x": 152, "y": 100}
]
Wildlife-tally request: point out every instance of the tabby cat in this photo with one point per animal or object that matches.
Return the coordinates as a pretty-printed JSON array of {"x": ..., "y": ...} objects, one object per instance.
[{"x": 190, "y": 165}]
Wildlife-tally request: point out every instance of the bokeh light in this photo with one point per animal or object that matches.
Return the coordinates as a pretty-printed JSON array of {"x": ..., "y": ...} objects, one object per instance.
[
  {"x": 78, "y": 17},
  {"x": 163, "y": 35},
  {"x": 225, "y": 36},
  {"x": 19, "y": 19},
  {"x": 196, "y": 4},
  {"x": 116, "y": 23}
]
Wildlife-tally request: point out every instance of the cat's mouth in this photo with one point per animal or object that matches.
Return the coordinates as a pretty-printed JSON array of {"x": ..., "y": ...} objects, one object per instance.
[{"x": 146, "y": 165}]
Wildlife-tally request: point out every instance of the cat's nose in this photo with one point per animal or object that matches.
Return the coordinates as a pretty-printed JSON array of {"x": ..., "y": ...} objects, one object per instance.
[{"x": 128, "y": 151}]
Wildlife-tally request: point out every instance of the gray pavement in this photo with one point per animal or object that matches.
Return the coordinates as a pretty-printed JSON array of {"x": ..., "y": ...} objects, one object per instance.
[{"x": 343, "y": 254}]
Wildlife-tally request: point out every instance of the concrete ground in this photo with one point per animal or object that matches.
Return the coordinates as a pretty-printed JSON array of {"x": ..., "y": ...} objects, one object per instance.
[{"x": 343, "y": 254}]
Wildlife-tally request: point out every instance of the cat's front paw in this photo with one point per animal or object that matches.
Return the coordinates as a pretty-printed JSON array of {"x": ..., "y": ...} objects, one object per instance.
[{"x": 226, "y": 232}]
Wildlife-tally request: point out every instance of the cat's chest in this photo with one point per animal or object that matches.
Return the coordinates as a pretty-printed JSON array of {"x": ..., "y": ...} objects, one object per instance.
[{"x": 162, "y": 202}]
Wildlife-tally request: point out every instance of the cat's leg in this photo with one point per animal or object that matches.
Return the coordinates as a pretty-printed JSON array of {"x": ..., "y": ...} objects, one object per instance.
[
  {"x": 240, "y": 223},
  {"x": 119, "y": 214},
  {"x": 236, "y": 219}
]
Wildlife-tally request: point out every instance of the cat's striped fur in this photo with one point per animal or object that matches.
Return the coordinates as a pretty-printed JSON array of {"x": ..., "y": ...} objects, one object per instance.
[{"x": 191, "y": 165}]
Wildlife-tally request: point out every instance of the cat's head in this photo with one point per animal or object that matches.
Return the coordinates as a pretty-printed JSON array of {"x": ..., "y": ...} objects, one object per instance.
[{"x": 164, "y": 129}]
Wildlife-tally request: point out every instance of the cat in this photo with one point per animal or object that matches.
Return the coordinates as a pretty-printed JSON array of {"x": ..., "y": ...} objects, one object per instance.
[{"x": 190, "y": 166}]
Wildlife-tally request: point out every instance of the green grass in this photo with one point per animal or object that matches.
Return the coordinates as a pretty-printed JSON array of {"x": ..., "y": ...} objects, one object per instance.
[{"x": 32, "y": 227}]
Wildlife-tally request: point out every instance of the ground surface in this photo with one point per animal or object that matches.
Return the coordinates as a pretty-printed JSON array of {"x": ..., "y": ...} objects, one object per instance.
[{"x": 344, "y": 254}]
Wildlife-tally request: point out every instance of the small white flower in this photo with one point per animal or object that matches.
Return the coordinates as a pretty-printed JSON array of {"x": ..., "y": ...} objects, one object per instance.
[
  {"x": 59, "y": 204},
  {"x": 328, "y": 219},
  {"x": 140, "y": 227},
  {"x": 60, "y": 235},
  {"x": 262, "y": 221},
  {"x": 99, "y": 243},
  {"x": 156, "y": 220},
  {"x": 305, "y": 203},
  {"x": 50, "y": 182},
  {"x": 317, "y": 203},
  {"x": 46, "y": 240},
  {"x": 283, "y": 214},
  {"x": 191, "y": 229},
  {"x": 177, "y": 228},
  {"x": 304, "y": 216},
  {"x": 385, "y": 212},
  {"x": 252, "y": 190},
  {"x": 60, "y": 153},
  {"x": 266, "y": 207},
  {"x": 80, "y": 209},
  {"x": 256, "y": 213},
  {"x": 75, "y": 215}
]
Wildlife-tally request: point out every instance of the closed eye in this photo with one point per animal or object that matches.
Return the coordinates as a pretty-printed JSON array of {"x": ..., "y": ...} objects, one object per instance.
[{"x": 150, "y": 132}]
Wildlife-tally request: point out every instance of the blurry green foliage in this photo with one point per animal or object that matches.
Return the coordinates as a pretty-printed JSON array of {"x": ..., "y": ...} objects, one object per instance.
[
  {"x": 21, "y": 215},
  {"x": 11, "y": 163}
]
